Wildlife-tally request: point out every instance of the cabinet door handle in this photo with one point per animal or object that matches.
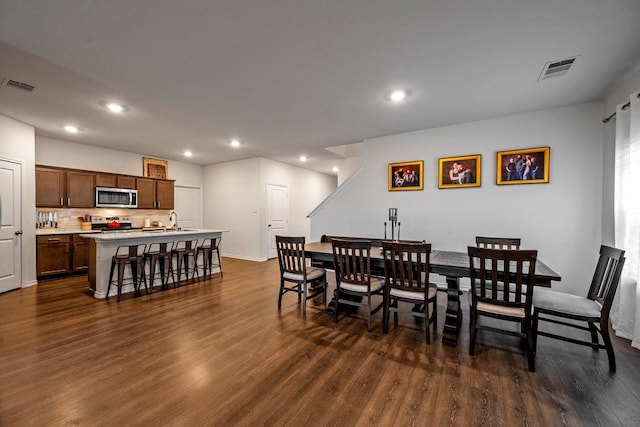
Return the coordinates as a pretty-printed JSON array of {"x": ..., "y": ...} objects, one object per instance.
[
  {"x": 53, "y": 240},
  {"x": 61, "y": 202}
]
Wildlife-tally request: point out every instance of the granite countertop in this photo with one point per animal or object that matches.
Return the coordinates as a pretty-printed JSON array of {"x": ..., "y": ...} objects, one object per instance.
[
  {"x": 147, "y": 234},
  {"x": 53, "y": 231}
]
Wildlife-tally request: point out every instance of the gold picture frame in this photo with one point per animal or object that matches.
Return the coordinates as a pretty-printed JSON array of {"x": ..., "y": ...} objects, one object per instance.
[
  {"x": 155, "y": 168},
  {"x": 460, "y": 171},
  {"x": 527, "y": 166},
  {"x": 406, "y": 176}
]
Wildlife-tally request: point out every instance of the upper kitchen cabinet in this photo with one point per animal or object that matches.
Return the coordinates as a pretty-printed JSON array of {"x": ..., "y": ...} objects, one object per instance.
[
  {"x": 164, "y": 194},
  {"x": 51, "y": 185},
  {"x": 59, "y": 188},
  {"x": 155, "y": 193},
  {"x": 115, "y": 181},
  {"x": 80, "y": 189}
]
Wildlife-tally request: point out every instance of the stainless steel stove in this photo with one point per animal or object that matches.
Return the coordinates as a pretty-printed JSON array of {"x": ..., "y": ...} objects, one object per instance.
[{"x": 115, "y": 224}]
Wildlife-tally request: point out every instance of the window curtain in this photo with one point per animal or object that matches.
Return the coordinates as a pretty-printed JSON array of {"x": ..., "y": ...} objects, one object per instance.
[{"x": 625, "y": 314}]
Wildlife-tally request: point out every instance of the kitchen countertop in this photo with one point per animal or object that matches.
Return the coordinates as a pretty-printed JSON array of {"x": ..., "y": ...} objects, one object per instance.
[
  {"x": 53, "y": 231},
  {"x": 118, "y": 235}
]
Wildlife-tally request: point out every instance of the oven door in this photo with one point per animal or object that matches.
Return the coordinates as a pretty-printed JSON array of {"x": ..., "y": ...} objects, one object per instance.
[{"x": 116, "y": 198}]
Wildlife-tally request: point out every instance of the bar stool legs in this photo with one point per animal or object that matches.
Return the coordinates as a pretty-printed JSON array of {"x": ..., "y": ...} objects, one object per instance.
[
  {"x": 159, "y": 253},
  {"x": 128, "y": 255}
]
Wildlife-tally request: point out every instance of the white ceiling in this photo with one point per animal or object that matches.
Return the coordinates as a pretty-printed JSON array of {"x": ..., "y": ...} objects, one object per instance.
[{"x": 291, "y": 77}]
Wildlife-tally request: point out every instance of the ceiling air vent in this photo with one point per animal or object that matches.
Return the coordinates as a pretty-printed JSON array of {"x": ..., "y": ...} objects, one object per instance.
[
  {"x": 20, "y": 85},
  {"x": 556, "y": 68}
]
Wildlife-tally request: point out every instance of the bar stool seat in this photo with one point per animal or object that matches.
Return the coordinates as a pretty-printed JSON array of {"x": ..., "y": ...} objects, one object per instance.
[
  {"x": 131, "y": 255},
  {"x": 207, "y": 248},
  {"x": 183, "y": 251},
  {"x": 159, "y": 254}
]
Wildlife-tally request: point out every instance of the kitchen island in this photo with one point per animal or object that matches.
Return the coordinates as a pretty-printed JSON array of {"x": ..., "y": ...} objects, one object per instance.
[{"x": 103, "y": 246}]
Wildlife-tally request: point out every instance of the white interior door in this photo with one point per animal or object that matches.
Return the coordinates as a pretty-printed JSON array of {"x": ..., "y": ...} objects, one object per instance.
[
  {"x": 10, "y": 225},
  {"x": 187, "y": 206},
  {"x": 277, "y": 215}
]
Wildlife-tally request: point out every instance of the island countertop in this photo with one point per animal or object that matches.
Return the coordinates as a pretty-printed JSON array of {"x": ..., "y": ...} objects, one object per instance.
[{"x": 162, "y": 233}]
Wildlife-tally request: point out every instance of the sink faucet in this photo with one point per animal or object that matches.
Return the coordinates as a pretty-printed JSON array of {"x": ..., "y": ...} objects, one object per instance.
[{"x": 174, "y": 214}]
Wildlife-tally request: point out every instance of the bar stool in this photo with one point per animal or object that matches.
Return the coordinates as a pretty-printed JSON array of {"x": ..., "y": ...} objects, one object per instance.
[
  {"x": 132, "y": 255},
  {"x": 207, "y": 248},
  {"x": 183, "y": 251},
  {"x": 159, "y": 253}
]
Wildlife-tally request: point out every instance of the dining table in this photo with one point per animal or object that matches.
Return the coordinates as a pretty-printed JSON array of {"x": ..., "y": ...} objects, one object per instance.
[{"x": 452, "y": 265}]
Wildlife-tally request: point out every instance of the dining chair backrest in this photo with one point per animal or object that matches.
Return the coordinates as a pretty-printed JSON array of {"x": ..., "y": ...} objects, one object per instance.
[
  {"x": 291, "y": 256},
  {"x": 502, "y": 276},
  {"x": 606, "y": 277},
  {"x": 498, "y": 242},
  {"x": 407, "y": 265},
  {"x": 351, "y": 259}
]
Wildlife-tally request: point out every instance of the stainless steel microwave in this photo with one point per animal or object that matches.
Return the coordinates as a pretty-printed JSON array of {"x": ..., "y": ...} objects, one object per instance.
[{"x": 116, "y": 198}]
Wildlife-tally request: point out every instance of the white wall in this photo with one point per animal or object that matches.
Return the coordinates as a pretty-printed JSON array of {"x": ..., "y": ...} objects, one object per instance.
[
  {"x": 235, "y": 200},
  {"x": 561, "y": 219},
  {"x": 17, "y": 142},
  {"x": 54, "y": 152}
]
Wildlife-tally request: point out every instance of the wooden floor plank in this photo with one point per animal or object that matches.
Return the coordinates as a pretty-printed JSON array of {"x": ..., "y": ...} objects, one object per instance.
[{"x": 219, "y": 352}]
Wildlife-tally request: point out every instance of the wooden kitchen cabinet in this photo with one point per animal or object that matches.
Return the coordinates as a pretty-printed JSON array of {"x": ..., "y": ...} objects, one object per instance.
[
  {"x": 53, "y": 254},
  {"x": 80, "y": 189},
  {"x": 51, "y": 185},
  {"x": 155, "y": 193},
  {"x": 164, "y": 194},
  {"x": 80, "y": 254},
  {"x": 146, "y": 193},
  {"x": 111, "y": 180}
]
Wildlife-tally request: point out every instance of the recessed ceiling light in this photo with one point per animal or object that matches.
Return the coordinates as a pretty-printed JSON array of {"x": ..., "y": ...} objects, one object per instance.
[
  {"x": 188, "y": 153},
  {"x": 335, "y": 169},
  {"x": 234, "y": 143},
  {"x": 114, "y": 107},
  {"x": 398, "y": 95},
  {"x": 71, "y": 129},
  {"x": 303, "y": 158}
]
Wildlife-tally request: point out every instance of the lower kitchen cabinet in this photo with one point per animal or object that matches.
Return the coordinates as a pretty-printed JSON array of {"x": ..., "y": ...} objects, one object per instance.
[
  {"x": 53, "y": 255},
  {"x": 60, "y": 254},
  {"x": 80, "y": 254}
]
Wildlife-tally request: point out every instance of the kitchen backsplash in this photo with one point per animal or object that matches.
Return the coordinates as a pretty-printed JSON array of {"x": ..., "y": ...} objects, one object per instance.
[{"x": 68, "y": 218}]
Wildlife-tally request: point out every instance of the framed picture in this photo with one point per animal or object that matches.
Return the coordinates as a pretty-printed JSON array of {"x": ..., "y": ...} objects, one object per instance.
[
  {"x": 406, "y": 176},
  {"x": 155, "y": 168},
  {"x": 529, "y": 166},
  {"x": 459, "y": 172}
]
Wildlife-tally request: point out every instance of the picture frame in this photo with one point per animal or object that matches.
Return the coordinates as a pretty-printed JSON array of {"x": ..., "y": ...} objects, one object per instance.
[
  {"x": 523, "y": 166},
  {"x": 460, "y": 171},
  {"x": 155, "y": 168},
  {"x": 406, "y": 176}
]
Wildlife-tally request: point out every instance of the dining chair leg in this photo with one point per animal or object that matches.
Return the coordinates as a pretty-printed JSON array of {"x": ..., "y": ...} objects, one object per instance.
[
  {"x": 336, "y": 297},
  {"x": 427, "y": 323},
  {"x": 604, "y": 329},
  {"x": 534, "y": 330},
  {"x": 304, "y": 297},
  {"x": 530, "y": 348},
  {"x": 369, "y": 313},
  {"x": 472, "y": 331}
]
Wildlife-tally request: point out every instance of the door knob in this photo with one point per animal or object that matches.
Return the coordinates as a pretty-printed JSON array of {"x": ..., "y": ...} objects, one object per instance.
[{"x": 17, "y": 233}]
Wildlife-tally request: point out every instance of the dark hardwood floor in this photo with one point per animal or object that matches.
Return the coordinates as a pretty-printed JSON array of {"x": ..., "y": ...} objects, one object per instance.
[{"x": 219, "y": 352}]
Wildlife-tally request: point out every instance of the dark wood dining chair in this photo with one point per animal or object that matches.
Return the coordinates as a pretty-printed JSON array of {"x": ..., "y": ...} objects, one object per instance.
[
  {"x": 591, "y": 312},
  {"x": 502, "y": 283},
  {"x": 406, "y": 268},
  {"x": 355, "y": 286},
  {"x": 308, "y": 282},
  {"x": 498, "y": 242}
]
